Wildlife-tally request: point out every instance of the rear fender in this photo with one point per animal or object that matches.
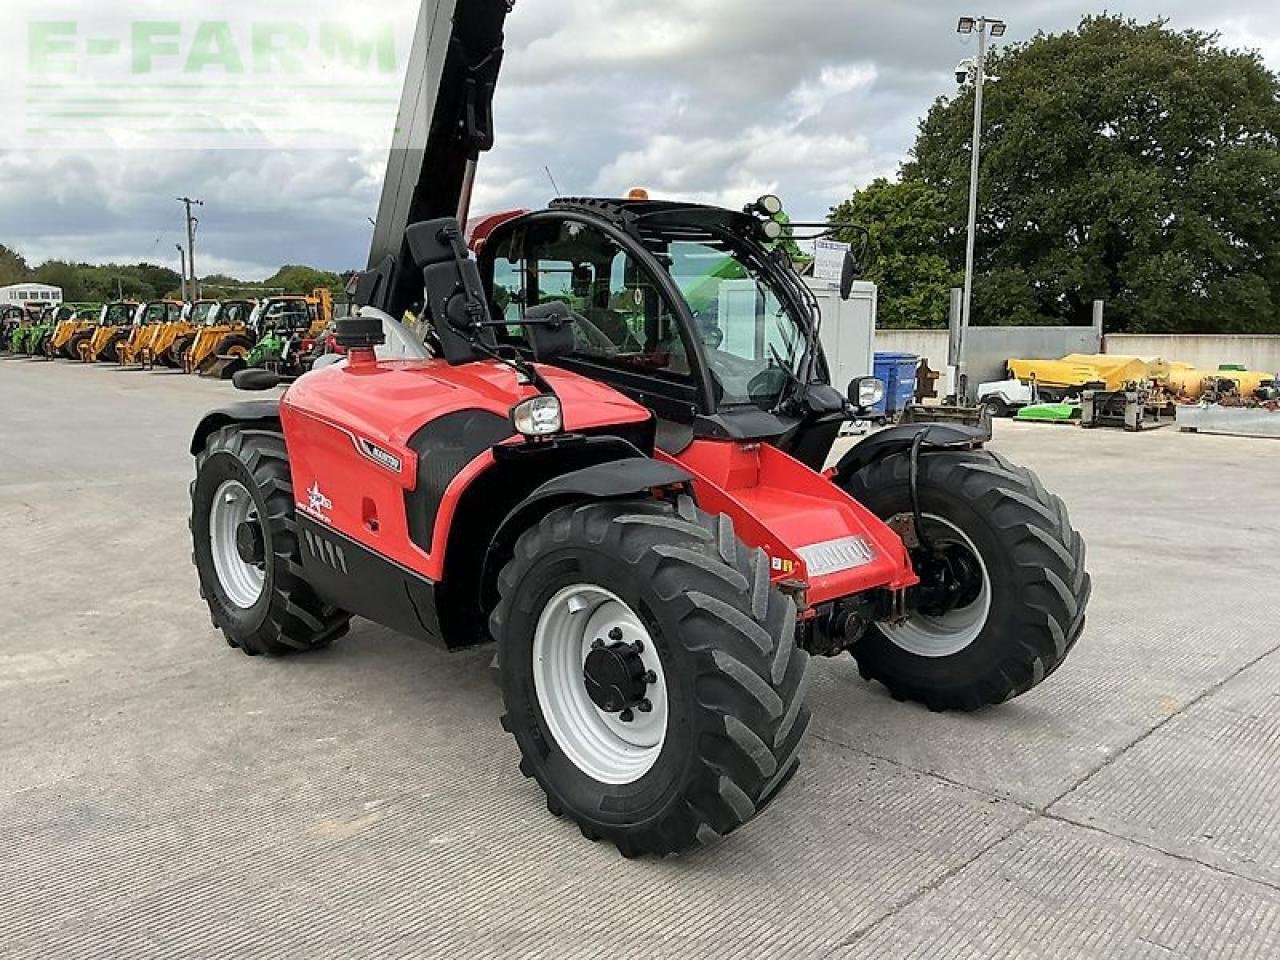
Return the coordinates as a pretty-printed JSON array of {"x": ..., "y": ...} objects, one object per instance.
[
  {"x": 264, "y": 414},
  {"x": 899, "y": 439}
]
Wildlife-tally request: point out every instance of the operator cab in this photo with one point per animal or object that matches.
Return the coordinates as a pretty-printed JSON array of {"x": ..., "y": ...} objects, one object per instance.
[
  {"x": 684, "y": 308},
  {"x": 119, "y": 314},
  {"x": 158, "y": 311}
]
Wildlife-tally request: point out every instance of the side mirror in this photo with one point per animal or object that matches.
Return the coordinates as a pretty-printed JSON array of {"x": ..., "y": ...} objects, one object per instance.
[
  {"x": 255, "y": 380},
  {"x": 849, "y": 274}
]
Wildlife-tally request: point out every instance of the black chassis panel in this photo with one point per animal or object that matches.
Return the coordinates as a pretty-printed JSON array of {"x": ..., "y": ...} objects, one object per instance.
[{"x": 357, "y": 580}]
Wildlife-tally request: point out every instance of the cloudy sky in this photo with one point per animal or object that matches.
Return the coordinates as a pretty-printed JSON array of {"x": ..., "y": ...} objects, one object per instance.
[{"x": 716, "y": 100}]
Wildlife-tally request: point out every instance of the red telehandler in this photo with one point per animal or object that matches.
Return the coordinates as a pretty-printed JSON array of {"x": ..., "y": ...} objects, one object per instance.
[{"x": 608, "y": 458}]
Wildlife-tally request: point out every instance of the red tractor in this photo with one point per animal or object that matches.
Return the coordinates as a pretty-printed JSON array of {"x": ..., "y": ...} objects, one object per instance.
[{"x": 609, "y": 459}]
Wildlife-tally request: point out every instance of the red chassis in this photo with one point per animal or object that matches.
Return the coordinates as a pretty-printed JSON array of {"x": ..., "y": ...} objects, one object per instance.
[{"x": 350, "y": 431}]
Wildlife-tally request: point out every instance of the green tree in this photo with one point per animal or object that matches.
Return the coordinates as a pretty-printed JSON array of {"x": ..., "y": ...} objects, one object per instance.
[
  {"x": 13, "y": 268},
  {"x": 68, "y": 276},
  {"x": 909, "y": 228},
  {"x": 1125, "y": 162},
  {"x": 299, "y": 279}
]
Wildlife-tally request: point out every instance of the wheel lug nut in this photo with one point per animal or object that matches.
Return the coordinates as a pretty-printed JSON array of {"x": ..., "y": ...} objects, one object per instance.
[
  {"x": 644, "y": 706},
  {"x": 597, "y": 644},
  {"x": 637, "y": 648},
  {"x": 649, "y": 677},
  {"x": 616, "y": 634},
  {"x": 626, "y": 716}
]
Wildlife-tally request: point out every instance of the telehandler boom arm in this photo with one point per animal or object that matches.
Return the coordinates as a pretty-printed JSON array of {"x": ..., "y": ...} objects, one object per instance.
[{"x": 445, "y": 122}]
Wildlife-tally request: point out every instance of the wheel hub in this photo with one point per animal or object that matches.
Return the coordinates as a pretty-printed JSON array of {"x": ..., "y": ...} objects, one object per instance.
[
  {"x": 950, "y": 579},
  {"x": 600, "y": 682},
  {"x": 250, "y": 542},
  {"x": 948, "y": 610},
  {"x": 616, "y": 677}
]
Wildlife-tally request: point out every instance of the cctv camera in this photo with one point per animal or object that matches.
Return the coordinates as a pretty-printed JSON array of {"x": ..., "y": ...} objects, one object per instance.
[{"x": 963, "y": 69}]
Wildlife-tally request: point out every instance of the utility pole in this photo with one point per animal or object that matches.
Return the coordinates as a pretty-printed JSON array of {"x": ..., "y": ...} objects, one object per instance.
[
  {"x": 997, "y": 28},
  {"x": 194, "y": 287},
  {"x": 182, "y": 258}
]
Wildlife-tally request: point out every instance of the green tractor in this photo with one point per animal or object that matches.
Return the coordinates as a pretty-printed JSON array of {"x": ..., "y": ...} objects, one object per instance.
[
  {"x": 26, "y": 338},
  {"x": 285, "y": 331},
  {"x": 12, "y": 318}
]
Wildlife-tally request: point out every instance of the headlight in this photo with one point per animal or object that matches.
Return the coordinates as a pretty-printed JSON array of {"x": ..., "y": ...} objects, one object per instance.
[
  {"x": 772, "y": 229},
  {"x": 539, "y": 417},
  {"x": 769, "y": 205},
  {"x": 867, "y": 392}
]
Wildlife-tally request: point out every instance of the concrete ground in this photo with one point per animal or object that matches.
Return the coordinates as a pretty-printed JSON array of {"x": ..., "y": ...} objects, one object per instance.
[{"x": 162, "y": 795}]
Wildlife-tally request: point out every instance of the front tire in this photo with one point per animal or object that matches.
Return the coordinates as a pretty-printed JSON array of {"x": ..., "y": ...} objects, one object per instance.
[
  {"x": 246, "y": 550},
  {"x": 689, "y": 618},
  {"x": 1022, "y": 589}
]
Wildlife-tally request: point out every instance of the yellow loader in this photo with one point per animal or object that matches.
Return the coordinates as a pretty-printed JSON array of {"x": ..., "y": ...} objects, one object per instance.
[
  {"x": 171, "y": 341},
  {"x": 99, "y": 344},
  {"x": 149, "y": 319},
  {"x": 226, "y": 333}
]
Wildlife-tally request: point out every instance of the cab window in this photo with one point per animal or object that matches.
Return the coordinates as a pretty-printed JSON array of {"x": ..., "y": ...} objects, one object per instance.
[{"x": 624, "y": 321}]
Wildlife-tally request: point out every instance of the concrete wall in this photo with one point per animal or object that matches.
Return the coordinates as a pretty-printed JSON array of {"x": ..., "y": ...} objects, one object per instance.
[
  {"x": 1207, "y": 351},
  {"x": 1257, "y": 352}
]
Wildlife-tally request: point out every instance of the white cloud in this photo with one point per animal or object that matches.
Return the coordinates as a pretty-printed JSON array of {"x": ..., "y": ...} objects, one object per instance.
[{"x": 714, "y": 100}]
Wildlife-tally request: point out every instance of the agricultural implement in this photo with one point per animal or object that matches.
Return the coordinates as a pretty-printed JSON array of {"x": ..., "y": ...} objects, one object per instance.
[{"x": 628, "y": 497}]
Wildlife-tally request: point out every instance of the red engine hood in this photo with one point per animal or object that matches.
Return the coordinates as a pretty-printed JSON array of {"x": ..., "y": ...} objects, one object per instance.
[{"x": 390, "y": 401}]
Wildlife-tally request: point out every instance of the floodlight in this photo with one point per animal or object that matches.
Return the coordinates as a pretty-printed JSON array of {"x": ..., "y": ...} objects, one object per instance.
[
  {"x": 966, "y": 25},
  {"x": 998, "y": 28}
]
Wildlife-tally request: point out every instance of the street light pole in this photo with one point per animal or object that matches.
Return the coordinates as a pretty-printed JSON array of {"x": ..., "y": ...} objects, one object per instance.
[
  {"x": 997, "y": 28},
  {"x": 194, "y": 288},
  {"x": 182, "y": 257}
]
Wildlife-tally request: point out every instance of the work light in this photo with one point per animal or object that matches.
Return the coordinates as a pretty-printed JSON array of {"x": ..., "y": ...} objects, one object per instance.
[{"x": 538, "y": 417}]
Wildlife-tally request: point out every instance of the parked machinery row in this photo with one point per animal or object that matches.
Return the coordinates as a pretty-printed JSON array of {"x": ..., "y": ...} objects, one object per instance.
[{"x": 208, "y": 337}]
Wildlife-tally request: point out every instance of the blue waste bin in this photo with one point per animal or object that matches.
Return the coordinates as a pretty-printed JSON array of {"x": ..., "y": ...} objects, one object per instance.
[{"x": 898, "y": 371}]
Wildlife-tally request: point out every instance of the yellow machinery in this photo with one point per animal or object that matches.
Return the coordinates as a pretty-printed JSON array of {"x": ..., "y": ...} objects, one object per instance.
[
  {"x": 226, "y": 332},
  {"x": 148, "y": 321},
  {"x": 172, "y": 340},
  {"x": 83, "y": 321},
  {"x": 113, "y": 326},
  {"x": 1189, "y": 382},
  {"x": 1077, "y": 370}
]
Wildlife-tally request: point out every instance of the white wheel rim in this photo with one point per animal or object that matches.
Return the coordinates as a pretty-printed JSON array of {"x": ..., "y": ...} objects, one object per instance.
[
  {"x": 242, "y": 582},
  {"x": 945, "y": 636},
  {"x": 599, "y": 744}
]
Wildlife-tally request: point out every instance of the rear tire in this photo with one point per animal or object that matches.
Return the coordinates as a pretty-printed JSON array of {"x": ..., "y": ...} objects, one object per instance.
[
  {"x": 1020, "y": 627},
  {"x": 273, "y": 611},
  {"x": 728, "y": 676}
]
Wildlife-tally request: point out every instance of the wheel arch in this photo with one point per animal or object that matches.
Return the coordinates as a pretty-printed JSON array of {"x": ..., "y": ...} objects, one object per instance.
[
  {"x": 899, "y": 439},
  {"x": 253, "y": 413},
  {"x": 517, "y": 492}
]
